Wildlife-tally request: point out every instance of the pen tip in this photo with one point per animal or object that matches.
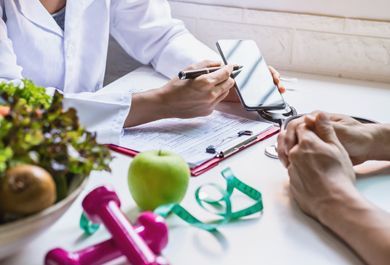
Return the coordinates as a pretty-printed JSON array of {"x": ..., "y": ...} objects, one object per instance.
[{"x": 236, "y": 73}]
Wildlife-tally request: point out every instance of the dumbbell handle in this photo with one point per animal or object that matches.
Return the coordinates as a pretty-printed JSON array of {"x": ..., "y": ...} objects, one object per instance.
[
  {"x": 102, "y": 205},
  {"x": 94, "y": 255},
  {"x": 125, "y": 237},
  {"x": 100, "y": 253}
]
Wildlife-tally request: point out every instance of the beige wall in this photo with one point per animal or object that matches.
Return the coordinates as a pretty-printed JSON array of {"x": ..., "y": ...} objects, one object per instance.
[
  {"x": 366, "y": 9},
  {"x": 328, "y": 45}
]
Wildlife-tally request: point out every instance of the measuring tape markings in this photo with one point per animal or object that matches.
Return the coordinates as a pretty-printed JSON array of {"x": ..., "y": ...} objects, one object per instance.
[{"x": 224, "y": 202}]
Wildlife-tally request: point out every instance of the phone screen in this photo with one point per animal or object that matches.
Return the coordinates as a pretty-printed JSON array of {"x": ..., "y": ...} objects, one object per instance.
[{"x": 254, "y": 83}]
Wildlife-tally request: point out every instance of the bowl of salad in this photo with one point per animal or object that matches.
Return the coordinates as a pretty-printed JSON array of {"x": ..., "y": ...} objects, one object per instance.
[{"x": 45, "y": 159}]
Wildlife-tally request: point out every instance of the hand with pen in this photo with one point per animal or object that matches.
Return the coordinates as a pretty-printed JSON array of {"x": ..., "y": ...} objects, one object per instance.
[
  {"x": 198, "y": 96},
  {"x": 188, "y": 98},
  {"x": 232, "y": 96}
]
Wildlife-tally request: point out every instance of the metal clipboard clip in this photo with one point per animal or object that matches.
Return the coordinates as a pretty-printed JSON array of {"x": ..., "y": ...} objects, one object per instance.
[
  {"x": 213, "y": 149},
  {"x": 232, "y": 150}
]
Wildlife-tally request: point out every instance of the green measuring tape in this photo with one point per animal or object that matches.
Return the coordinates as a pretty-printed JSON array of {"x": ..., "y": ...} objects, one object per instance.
[{"x": 222, "y": 205}]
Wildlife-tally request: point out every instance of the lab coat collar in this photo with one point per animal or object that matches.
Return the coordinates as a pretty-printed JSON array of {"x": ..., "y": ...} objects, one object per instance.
[{"x": 36, "y": 13}]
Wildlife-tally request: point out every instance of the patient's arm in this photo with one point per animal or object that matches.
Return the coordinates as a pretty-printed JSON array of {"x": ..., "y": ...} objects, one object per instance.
[
  {"x": 322, "y": 183},
  {"x": 380, "y": 150},
  {"x": 362, "y": 225},
  {"x": 372, "y": 168}
]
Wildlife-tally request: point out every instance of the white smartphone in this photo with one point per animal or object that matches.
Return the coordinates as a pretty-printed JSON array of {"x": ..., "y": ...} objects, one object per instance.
[{"x": 254, "y": 84}]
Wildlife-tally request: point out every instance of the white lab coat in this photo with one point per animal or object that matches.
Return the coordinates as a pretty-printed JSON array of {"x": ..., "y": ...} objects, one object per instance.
[{"x": 33, "y": 46}]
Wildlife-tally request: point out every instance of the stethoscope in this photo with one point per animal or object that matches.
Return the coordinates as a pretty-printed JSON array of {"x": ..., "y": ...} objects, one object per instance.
[{"x": 272, "y": 150}]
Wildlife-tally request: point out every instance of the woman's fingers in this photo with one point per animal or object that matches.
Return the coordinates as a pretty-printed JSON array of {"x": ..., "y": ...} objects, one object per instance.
[
  {"x": 222, "y": 74},
  {"x": 275, "y": 74},
  {"x": 203, "y": 64},
  {"x": 222, "y": 96},
  {"x": 276, "y": 77},
  {"x": 223, "y": 89},
  {"x": 281, "y": 89},
  {"x": 210, "y": 81}
]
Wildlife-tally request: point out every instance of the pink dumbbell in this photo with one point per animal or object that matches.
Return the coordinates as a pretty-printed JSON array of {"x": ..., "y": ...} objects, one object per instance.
[
  {"x": 150, "y": 227},
  {"x": 102, "y": 205}
]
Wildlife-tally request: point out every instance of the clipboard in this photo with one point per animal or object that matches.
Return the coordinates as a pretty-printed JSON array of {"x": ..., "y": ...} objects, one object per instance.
[{"x": 220, "y": 156}]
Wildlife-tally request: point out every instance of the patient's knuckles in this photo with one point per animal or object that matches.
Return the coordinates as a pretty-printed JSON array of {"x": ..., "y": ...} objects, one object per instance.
[
  {"x": 292, "y": 125},
  {"x": 282, "y": 154},
  {"x": 280, "y": 139},
  {"x": 305, "y": 142},
  {"x": 294, "y": 155},
  {"x": 289, "y": 140},
  {"x": 291, "y": 172},
  {"x": 283, "y": 159},
  {"x": 300, "y": 156},
  {"x": 316, "y": 112}
]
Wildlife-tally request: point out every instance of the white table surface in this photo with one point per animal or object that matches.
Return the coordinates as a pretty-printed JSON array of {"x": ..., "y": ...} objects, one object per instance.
[{"x": 282, "y": 235}]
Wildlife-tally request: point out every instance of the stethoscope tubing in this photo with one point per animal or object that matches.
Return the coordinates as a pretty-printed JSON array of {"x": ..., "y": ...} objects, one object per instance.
[{"x": 287, "y": 121}]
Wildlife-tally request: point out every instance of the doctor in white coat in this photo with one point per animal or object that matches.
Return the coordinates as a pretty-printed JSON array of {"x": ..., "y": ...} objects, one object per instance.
[{"x": 63, "y": 44}]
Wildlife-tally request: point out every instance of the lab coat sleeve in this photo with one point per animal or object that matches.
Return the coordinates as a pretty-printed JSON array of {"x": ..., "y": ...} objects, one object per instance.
[
  {"x": 8, "y": 67},
  {"x": 148, "y": 33},
  {"x": 103, "y": 112}
]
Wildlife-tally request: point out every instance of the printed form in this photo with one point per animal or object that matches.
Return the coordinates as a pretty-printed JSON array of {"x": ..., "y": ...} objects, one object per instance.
[{"x": 191, "y": 137}]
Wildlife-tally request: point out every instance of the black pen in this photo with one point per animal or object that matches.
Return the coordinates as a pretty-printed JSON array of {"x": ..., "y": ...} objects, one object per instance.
[{"x": 192, "y": 74}]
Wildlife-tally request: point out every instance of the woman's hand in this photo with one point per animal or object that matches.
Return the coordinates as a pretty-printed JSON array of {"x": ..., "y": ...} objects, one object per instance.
[
  {"x": 187, "y": 98},
  {"x": 276, "y": 76},
  {"x": 233, "y": 97},
  {"x": 182, "y": 98},
  {"x": 320, "y": 170},
  {"x": 197, "y": 97},
  {"x": 356, "y": 137}
]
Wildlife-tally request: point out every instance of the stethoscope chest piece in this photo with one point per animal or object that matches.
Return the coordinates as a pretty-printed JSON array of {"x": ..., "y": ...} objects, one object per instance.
[
  {"x": 271, "y": 151},
  {"x": 277, "y": 117}
]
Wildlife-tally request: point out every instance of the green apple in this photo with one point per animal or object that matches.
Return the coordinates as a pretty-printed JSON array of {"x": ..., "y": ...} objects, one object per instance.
[{"x": 157, "y": 178}]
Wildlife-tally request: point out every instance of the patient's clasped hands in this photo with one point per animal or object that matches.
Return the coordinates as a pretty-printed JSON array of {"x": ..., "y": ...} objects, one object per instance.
[
  {"x": 317, "y": 163},
  {"x": 319, "y": 151}
]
